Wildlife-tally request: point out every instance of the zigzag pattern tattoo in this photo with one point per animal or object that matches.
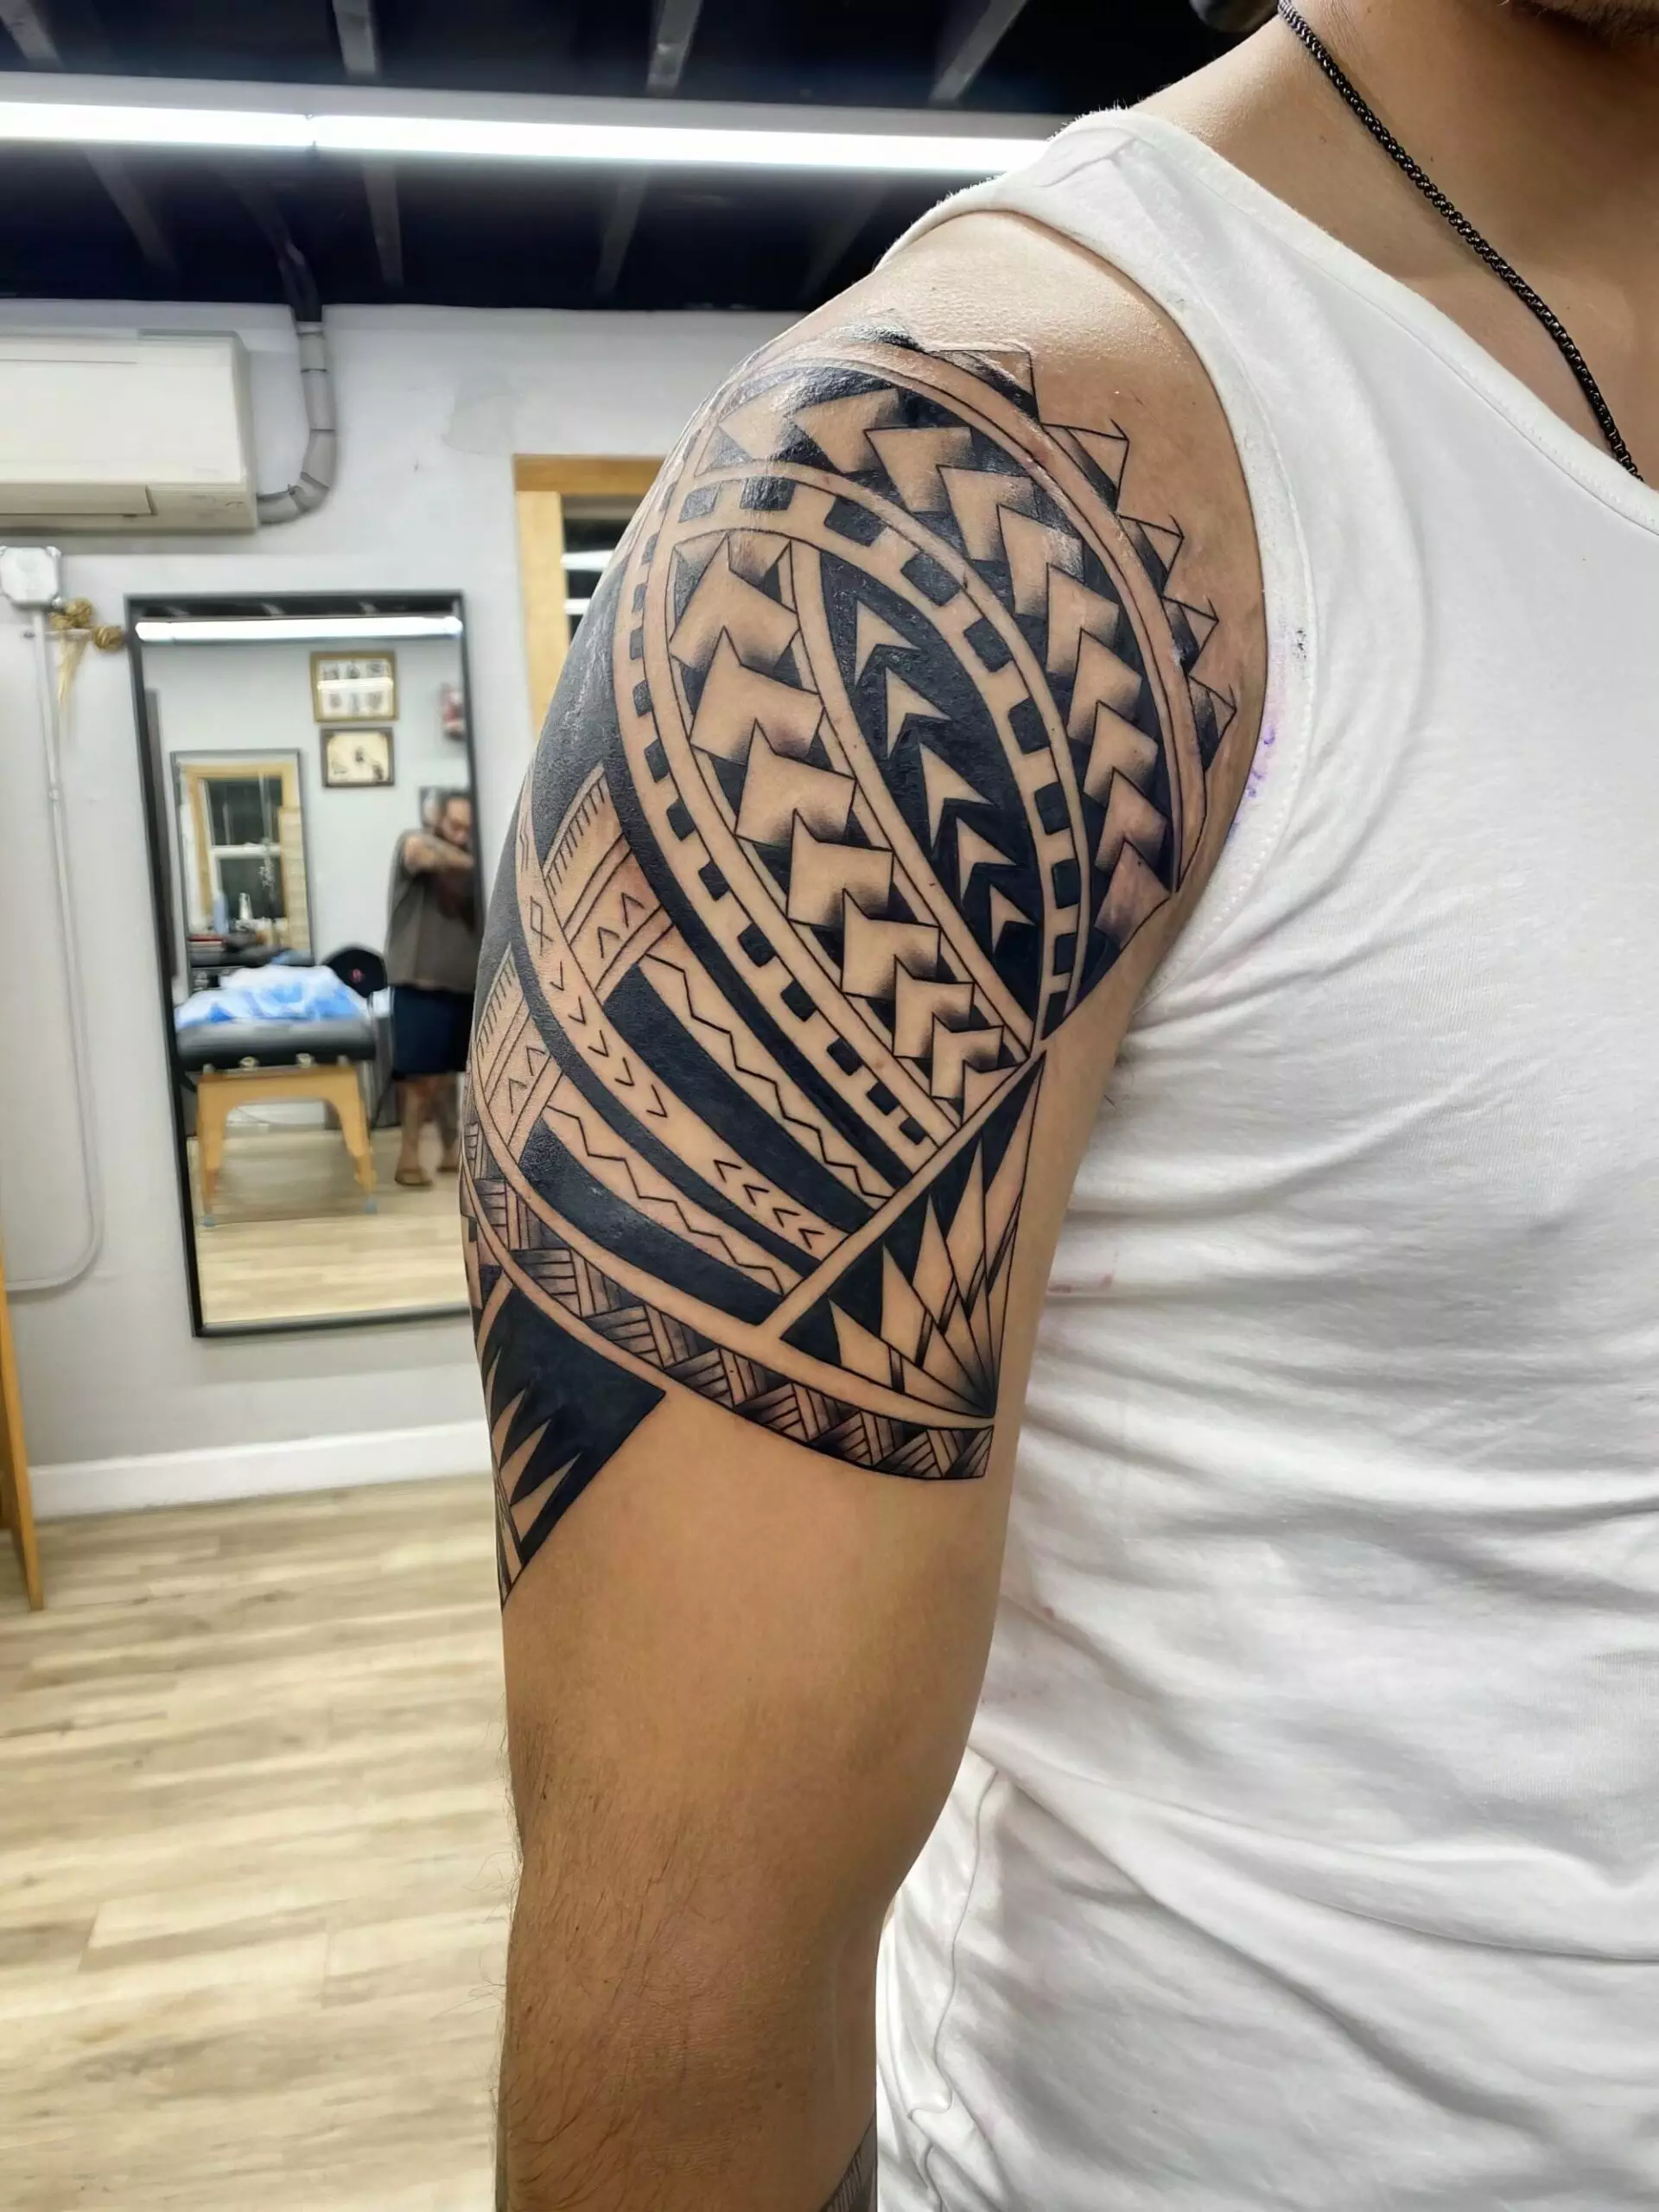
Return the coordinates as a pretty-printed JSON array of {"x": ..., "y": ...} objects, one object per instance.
[{"x": 883, "y": 737}]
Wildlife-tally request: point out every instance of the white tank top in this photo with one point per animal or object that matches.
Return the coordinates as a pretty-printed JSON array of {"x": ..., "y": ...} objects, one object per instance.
[{"x": 1305, "y": 1854}]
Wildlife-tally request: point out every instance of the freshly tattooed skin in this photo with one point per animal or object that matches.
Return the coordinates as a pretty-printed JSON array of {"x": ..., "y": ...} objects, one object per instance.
[{"x": 884, "y": 735}]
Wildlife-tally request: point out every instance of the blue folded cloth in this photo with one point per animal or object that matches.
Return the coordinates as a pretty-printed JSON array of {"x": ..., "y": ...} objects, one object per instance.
[{"x": 274, "y": 994}]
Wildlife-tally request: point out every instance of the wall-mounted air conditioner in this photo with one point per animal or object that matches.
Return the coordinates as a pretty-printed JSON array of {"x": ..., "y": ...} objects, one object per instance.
[{"x": 120, "y": 433}]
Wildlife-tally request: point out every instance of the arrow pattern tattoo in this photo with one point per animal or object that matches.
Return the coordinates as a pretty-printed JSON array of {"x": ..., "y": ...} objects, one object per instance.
[{"x": 883, "y": 737}]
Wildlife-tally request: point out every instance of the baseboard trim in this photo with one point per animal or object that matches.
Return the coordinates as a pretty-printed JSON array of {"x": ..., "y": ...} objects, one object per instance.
[{"x": 383, "y": 1455}]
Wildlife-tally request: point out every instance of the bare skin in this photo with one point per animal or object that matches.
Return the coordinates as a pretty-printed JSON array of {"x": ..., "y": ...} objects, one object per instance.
[{"x": 1543, "y": 129}]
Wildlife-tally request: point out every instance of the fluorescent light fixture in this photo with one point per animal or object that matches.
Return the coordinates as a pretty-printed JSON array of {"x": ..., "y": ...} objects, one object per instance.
[
  {"x": 322, "y": 629},
  {"x": 591, "y": 563},
  {"x": 669, "y": 145},
  {"x": 577, "y": 606},
  {"x": 79, "y": 122},
  {"x": 361, "y": 119}
]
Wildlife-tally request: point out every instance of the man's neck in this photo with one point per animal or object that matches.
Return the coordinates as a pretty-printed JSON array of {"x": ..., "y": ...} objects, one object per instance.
[
  {"x": 1553, "y": 131},
  {"x": 1548, "y": 139}
]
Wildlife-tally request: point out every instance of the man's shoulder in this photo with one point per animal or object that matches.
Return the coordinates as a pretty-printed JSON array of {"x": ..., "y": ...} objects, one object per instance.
[
  {"x": 1027, "y": 409},
  {"x": 1098, "y": 347},
  {"x": 1106, "y": 380}
]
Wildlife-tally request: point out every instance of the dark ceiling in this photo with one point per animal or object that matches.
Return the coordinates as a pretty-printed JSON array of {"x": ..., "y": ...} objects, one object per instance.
[{"x": 142, "y": 225}]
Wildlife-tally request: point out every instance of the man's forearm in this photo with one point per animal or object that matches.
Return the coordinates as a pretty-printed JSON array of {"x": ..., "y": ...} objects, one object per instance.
[{"x": 435, "y": 856}]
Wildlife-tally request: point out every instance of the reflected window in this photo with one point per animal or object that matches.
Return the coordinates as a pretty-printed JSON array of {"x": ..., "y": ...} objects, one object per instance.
[
  {"x": 593, "y": 531},
  {"x": 241, "y": 829}
]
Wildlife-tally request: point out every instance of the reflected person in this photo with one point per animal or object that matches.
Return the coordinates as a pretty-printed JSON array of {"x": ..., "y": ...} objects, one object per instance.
[{"x": 432, "y": 945}]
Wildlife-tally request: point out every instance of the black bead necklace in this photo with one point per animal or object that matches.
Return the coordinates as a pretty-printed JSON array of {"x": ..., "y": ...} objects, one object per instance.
[{"x": 1471, "y": 237}]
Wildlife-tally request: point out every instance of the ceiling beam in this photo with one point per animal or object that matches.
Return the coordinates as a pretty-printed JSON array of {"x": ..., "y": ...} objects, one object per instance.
[
  {"x": 359, "y": 49},
  {"x": 134, "y": 210},
  {"x": 673, "y": 27},
  {"x": 625, "y": 203},
  {"x": 35, "y": 40},
  {"x": 833, "y": 240},
  {"x": 973, "y": 31},
  {"x": 29, "y": 30},
  {"x": 359, "y": 41}
]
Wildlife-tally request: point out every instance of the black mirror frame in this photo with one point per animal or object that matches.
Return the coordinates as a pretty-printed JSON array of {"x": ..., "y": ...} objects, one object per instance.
[{"x": 252, "y": 607}]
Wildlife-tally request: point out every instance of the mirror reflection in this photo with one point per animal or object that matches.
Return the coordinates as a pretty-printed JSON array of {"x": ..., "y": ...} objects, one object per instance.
[{"x": 309, "y": 769}]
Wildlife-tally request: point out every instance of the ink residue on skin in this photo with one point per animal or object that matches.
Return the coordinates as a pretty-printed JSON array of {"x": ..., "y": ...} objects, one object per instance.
[{"x": 1260, "y": 766}]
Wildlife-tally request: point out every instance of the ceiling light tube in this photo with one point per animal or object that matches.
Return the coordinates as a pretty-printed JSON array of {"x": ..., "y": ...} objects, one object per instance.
[
  {"x": 358, "y": 119},
  {"x": 669, "y": 145},
  {"x": 82, "y": 123},
  {"x": 237, "y": 630}
]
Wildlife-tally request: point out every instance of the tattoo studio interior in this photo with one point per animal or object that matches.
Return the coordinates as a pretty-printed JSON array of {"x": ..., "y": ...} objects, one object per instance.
[{"x": 355, "y": 371}]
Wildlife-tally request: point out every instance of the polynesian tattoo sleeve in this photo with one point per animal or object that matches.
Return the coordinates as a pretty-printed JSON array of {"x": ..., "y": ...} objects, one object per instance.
[{"x": 883, "y": 735}]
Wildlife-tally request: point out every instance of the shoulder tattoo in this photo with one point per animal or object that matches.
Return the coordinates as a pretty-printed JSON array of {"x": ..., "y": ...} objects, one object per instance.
[{"x": 883, "y": 736}]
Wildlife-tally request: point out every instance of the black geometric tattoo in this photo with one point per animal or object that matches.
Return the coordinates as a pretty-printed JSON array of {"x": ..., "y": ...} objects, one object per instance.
[
  {"x": 855, "y": 2191},
  {"x": 882, "y": 738}
]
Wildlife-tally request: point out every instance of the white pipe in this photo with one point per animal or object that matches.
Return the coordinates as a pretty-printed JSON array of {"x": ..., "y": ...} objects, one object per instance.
[
  {"x": 80, "y": 1053},
  {"x": 317, "y": 477}
]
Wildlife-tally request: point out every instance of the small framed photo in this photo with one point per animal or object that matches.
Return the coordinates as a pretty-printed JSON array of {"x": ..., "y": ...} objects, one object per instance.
[
  {"x": 354, "y": 759},
  {"x": 452, "y": 712},
  {"x": 354, "y": 687}
]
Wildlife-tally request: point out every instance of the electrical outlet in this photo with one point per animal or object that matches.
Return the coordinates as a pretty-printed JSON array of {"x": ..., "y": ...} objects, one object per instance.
[{"x": 31, "y": 575}]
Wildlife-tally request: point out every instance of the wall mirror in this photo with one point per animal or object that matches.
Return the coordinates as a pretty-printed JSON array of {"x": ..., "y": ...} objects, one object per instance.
[{"x": 308, "y": 772}]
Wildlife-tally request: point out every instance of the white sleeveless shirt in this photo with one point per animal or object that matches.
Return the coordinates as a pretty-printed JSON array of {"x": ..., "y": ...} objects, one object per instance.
[{"x": 1305, "y": 1854}]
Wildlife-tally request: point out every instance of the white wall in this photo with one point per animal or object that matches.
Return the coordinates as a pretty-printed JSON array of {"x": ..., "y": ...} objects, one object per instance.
[
  {"x": 256, "y": 698},
  {"x": 433, "y": 403}
]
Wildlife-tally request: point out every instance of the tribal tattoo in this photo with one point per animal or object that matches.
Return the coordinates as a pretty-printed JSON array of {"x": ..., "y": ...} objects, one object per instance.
[
  {"x": 882, "y": 738},
  {"x": 855, "y": 2191}
]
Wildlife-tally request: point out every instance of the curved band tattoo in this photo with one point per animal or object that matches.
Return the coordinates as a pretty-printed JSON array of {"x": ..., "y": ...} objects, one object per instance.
[
  {"x": 882, "y": 738},
  {"x": 855, "y": 2191}
]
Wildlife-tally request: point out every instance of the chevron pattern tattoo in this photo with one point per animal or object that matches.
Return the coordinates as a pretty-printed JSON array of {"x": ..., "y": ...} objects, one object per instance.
[{"x": 883, "y": 736}]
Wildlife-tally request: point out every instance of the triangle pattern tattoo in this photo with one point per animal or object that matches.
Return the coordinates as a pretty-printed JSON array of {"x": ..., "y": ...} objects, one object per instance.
[{"x": 921, "y": 1310}]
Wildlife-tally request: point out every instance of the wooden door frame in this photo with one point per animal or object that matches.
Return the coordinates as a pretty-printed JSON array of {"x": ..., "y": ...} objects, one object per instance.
[
  {"x": 193, "y": 769},
  {"x": 542, "y": 482}
]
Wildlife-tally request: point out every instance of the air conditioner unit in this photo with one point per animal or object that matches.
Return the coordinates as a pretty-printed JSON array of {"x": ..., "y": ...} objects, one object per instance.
[{"x": 124, "y": 433}]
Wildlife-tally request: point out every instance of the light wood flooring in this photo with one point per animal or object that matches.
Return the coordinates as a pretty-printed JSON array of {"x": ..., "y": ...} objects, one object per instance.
[
  {"x": 291, "y": 1240},
  {"x": 255, "y": 1856}
]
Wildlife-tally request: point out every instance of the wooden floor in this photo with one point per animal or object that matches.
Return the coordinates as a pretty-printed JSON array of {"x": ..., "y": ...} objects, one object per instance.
[
  {"x": 291, "y": 1239},
  {"x": 254, "y": 1859}
]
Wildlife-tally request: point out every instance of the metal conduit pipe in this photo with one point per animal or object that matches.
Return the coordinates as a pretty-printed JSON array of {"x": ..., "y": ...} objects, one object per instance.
[
  {"x": 46, "y": 678},
  {"x": 322, "y": 458}
]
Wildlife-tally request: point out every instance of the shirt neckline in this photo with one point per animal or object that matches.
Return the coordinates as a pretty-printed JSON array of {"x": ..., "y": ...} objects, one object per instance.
[{"x": 1588, "y": 464}]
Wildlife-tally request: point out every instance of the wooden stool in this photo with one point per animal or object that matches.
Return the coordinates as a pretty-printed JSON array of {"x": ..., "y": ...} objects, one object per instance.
[
  {"x": 17, "y": 1507},
  {"x": 220, "y": 1090}
]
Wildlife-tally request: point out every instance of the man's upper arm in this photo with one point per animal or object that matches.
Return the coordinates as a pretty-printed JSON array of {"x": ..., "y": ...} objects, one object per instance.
[{"x": 895, "y": 742}]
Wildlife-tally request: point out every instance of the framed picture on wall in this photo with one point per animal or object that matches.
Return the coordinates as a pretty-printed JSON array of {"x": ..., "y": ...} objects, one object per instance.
[
  {"x": 354, "y": 759},
  {"x": 354, "y": 687},
  {"x": 452, "y": 712}
]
